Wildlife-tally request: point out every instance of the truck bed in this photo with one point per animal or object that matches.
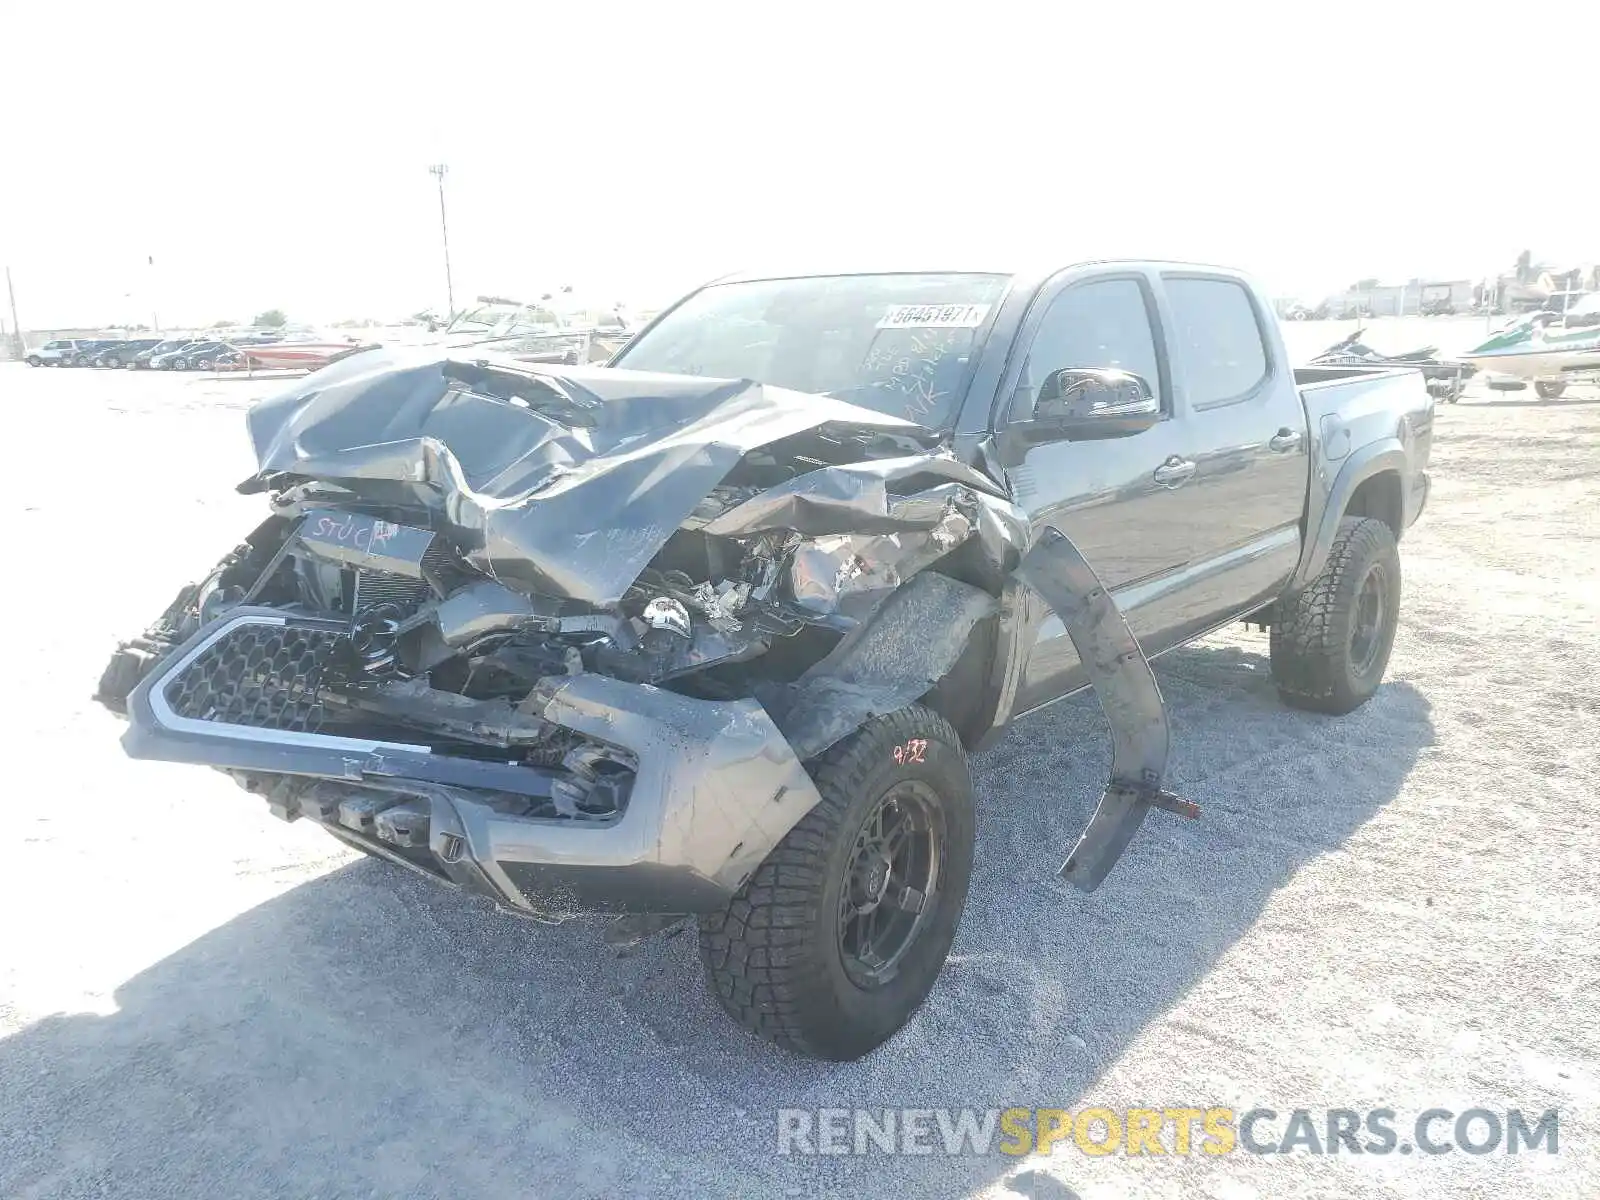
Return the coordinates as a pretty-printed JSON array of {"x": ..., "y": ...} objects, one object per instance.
[
  {"x": 1314, "y": 377},
  {"x": 1358, "y": 406}
]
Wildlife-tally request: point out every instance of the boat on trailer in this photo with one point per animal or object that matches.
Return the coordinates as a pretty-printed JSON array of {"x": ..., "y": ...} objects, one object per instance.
[{"x": 290, "y": 355}]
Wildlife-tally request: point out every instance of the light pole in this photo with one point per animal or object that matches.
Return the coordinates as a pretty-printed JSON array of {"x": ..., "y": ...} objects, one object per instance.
[
  {"x": 16, "y": 325},
  {"x": 437, "y": 171}
]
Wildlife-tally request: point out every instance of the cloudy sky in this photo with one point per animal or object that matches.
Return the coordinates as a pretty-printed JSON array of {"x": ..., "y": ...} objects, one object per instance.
[{"x": 276, "y": 156}]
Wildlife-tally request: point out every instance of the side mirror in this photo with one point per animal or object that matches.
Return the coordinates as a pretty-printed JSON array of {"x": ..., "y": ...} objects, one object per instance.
[{"x": 1089, "y": 403}]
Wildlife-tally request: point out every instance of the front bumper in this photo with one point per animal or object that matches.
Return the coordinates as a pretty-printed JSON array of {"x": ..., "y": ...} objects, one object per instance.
[{"x": 716, "y": 787}]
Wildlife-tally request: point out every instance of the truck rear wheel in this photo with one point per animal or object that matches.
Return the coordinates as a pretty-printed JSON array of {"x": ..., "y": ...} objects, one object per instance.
[
  {"x": 837, "y": 938},
  {"x": 1331, "y": 642},
  {"x": 1550, "y": 389}
]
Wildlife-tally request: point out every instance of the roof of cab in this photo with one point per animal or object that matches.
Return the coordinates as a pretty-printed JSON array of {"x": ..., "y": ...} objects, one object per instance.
[{"x": 1038, "y": 268}]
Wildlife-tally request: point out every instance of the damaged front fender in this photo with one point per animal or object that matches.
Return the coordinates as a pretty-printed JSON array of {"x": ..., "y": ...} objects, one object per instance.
[
  {"x": 1129, "y": 697},
  {"x": 915, "y": 638}
]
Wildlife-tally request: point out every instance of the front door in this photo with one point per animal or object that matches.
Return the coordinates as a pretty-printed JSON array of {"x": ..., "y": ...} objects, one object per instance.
[{"x": 1120, "y": 500}]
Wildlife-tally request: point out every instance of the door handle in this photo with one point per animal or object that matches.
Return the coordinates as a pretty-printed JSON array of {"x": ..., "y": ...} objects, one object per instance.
[
  {"x": 1174, "y": 472},
  {"x": 1285, "y": 439}
]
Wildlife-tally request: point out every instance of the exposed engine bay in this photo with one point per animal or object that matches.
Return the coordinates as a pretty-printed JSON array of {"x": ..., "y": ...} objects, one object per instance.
[{"x": 410, "y": 639}]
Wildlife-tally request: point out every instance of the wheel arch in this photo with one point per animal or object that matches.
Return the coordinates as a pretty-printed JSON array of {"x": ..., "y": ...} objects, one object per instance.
[
  {"x": 922, "y": 644},
  {"x": 1371, "y": 482},
  {"x": 969, "y": 694},
  {"x": 1380, "y": 495}
]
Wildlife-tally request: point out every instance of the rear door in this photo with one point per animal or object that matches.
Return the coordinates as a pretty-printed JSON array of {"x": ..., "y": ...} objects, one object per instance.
[
  {"x": 1246, "y": 427},
  {"x": 1121, "y": 500}
]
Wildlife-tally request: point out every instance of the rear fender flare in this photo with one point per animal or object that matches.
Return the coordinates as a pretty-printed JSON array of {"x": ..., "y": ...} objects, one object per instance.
[{"x": 1322, "y": 526}]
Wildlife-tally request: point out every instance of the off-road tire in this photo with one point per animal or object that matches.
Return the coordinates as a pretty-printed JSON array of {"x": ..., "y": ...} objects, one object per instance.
[
  {"x": 1550, "y": 389},
  {"x": 773, "y": 955},
  {"x": 1312, "y": 661},
  {"x": 35, "y": 361}
]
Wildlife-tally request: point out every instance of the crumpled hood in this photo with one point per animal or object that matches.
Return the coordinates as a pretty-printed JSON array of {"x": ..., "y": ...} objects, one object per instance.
[{"x": 563, "y": 481}]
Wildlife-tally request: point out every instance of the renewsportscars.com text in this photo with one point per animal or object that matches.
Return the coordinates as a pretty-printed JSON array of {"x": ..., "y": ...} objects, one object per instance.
[{"x": 1177, "y": 1130}]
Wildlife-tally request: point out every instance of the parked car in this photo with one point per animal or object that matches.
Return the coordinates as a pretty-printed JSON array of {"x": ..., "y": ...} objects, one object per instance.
[
  {"x": 145, "y": 359},
  {"x": 85, "y": 354},
  {"x": 721, "y": 648},
  {"x": 97, "y": 355},
  {"x": 165, "y": 361},
  {"x": 201, "y": 356},
  {"x": 58, "y": 353},
  {"x": 122, "y": 354},
  {"x": 192, "y": 356}
]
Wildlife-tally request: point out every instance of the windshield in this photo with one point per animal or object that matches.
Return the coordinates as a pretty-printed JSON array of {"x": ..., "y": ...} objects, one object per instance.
[
  {"x": 900, "y": 344},
  {"x": 504, "y": 319}
]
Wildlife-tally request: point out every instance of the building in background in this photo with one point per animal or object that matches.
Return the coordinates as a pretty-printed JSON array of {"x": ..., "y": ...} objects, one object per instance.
[{"x": 1369, "y": 298}]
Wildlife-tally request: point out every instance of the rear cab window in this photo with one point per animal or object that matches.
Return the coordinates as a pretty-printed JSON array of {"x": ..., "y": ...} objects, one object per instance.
[{"x": 1216, "y": 339}]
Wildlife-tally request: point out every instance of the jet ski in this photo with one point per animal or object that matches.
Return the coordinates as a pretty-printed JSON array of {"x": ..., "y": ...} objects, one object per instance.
[
  {"x": 1547, "y": 354},
  {"x": 1445, "y": 378}
]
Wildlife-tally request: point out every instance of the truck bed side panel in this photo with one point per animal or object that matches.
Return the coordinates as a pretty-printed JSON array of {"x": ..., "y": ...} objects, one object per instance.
[{"x": 1362, "y": 423}]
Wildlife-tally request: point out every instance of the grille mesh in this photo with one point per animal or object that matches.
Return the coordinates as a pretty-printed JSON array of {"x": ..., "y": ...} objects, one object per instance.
[{"x": 266, "y": 676}]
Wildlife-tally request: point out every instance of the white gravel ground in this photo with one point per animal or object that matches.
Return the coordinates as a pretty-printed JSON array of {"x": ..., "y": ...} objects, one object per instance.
[{"x": 1396, "y": 908}]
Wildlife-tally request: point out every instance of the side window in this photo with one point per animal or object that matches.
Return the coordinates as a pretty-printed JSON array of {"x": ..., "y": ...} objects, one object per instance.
[
  {"x": 1216, "y": 339},
  {"x": 1105, "y": 323}
]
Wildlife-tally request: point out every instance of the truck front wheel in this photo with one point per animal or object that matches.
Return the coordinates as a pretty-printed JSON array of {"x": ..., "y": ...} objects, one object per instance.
[
  {"x": 837, "y": 938},
  {"x": 1331, "y": 642}
]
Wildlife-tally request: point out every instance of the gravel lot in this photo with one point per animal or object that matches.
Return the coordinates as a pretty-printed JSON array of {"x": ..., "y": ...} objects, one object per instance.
[{"x": 1397, "y": 908}]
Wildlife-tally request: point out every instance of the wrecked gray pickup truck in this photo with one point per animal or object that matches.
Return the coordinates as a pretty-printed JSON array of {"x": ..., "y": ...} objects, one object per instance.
[{"x": 711, "y": 630}]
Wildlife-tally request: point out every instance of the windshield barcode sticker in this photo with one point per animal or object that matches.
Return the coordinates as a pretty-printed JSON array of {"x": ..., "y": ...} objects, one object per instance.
[{"x": 934, "y": 316}]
